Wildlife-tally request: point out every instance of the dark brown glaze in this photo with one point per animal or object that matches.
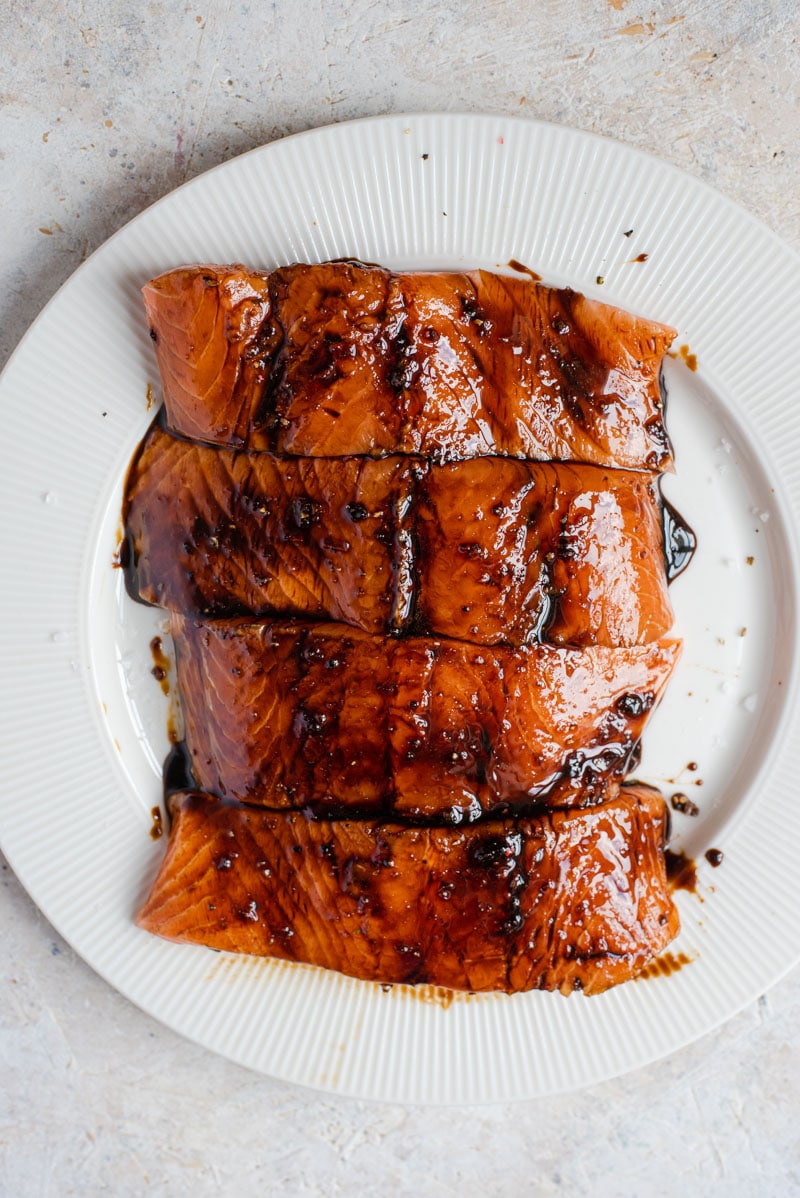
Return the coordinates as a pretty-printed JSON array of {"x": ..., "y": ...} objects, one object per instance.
[
  {"x": 332, "y": 719},
  {"x": 492, "y": 550},
  {"x": 221, "y": 533},
  {"x": 564, "y": 901},
  {"x": 680, "y": 542},
  {"x": 338, "y": 359},
  {"x": 681, "y": 871},
  {"x": 157, "y": 826},
  {"x": 681, "y": 802}
]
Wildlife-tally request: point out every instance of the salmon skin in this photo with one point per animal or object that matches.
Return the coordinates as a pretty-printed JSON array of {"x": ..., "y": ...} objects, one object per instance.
[
  {"x": 564, "y": 901},
  {"x": 326, "y": 718},
  {"x": 338, "y": 359},
  {"x": 488, "y": 550}
]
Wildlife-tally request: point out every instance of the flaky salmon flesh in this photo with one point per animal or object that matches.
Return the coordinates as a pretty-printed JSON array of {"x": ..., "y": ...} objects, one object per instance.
[{"x": 339, "y": 358}]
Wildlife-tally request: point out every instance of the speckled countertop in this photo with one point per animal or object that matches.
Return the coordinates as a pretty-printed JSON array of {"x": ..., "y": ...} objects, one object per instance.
[{"x": 106, "y": 107}]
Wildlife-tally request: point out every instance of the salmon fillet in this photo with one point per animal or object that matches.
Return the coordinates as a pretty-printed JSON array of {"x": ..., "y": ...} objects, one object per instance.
[
  {"x": 338, "y": 359},
  {"x": 222, "y": 533},
  {"x": 330, "y": 719},
  {"x": 409, "y": 529},
  {"x": 509, "y": 552},
  {"x": 488, "y": 550},
  {"x": 563, "y": 901}
]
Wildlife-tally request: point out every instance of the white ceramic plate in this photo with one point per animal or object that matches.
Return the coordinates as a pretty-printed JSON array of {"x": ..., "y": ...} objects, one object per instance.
[{"x": 84, "y": 721}]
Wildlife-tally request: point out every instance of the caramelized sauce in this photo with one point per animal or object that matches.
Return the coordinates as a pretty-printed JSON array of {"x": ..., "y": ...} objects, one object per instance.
[
  {"x": 664, "y": 966},
  {"x": 681, "y": 871},
  {"x": 680, "y": 541},
  {"x": 157, "y": 829},
  {"x": 177, "y": 772},
  {"x": 639, "y": 258},
  {"x": 524, "y": 270},
  {"x": 714, "y": 857},
  {"x": 173, "y": 735},
  {"x": 161, "y": 664},
  {"x": 685, "y": 355},
  {"x": 438, "y": 996},
  {"x": 681, "y": 802}
]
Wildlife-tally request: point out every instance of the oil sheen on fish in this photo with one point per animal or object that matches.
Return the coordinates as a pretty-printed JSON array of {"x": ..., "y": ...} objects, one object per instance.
[
  {"x": 338, "y": 358},
  {"x": 564, "y": 901},
  {"x": 489, "y": 550},
  {"x": 333, "y": 720}
]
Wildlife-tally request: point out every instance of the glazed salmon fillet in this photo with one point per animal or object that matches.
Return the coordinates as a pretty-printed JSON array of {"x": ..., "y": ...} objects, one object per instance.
[
  {"x": 564, "y": 901},
  {"x": 220, "y": 533},
  {"x": 329, "y": 719},
  {"x": 511, "y": 552},
  {"x": 340, "y": 359},
  {"x": 410, "y": 533},
  {"x": 488, "y": 550}
]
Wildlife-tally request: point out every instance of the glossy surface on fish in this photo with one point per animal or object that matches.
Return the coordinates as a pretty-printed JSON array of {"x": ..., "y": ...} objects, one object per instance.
[
  {"x": 568, "y": 900},
  {"x": 337, "y": 359},
  {"x": 215, "y": 532},
  {"x": 208, "y": 328},
  {"x": 488, "y": 550},
  {"x": 334, "y": 720},
  {"x": 512, "y": 551}
]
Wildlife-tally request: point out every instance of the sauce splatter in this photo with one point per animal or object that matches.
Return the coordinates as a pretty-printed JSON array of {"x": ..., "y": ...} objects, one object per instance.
[
  {"x": 681, "y": 802},
  {"x": 714, "y": 857},
  {"x": 685, "y": 355},
  {"x": 663, "y": 966},
  {"x": 161, "y": 664},
  {"x": 157, "y": 828},
  {"x": 681, "y": 871},
  {"x": 524, "y": 270}
]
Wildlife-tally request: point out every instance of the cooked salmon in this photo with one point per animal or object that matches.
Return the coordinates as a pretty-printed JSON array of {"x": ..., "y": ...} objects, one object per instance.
[
  {"x": 212, "y": 339},
  {"x": 510, "y": 552},
  {"x": 410, "y": 532},
  {"x": 337, "y": 359},
  {"x": 488, "y": 550},
  {"x": 564, "y": 901},
  {"x": 334, "y": 720},
  {"x": 221, "y": 533}
]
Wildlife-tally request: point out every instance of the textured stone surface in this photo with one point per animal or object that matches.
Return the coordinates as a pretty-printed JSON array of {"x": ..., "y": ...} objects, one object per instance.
[{"x": 104, "y": 107}]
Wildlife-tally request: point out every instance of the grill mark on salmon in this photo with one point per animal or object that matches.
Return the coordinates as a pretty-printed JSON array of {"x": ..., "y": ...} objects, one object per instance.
[
  {"x": 337, "y": 359},
  {"x": 331, "y": 719},
  {"x": 487, "y": 550},
  {"x": 563, "y": 901}
]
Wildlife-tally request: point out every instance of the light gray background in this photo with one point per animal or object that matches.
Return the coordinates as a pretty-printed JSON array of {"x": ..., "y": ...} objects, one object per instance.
[{"x": 104, "y": 107}]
